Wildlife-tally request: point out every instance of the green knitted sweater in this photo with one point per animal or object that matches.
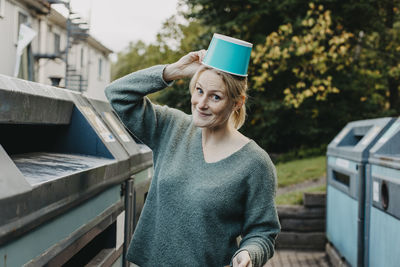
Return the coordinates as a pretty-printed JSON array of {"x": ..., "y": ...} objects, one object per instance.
[{"x": 194, "y": 210}]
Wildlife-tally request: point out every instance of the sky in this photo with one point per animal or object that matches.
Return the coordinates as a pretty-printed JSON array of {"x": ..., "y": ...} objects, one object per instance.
[{"x": 115, "y": 23}]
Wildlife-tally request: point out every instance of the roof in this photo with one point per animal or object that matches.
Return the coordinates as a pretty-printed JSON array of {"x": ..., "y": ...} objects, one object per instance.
[
  {"x": 40, "y": 6},
  {"x": 96, "y": 44}
]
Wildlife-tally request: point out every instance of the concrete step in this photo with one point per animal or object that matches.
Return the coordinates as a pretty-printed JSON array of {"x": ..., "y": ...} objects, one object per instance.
[{"x": 300, "y": 240}]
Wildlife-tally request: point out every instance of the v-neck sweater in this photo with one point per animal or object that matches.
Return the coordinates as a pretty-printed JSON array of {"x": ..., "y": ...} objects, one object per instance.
[{"x": 194, "y": 210}]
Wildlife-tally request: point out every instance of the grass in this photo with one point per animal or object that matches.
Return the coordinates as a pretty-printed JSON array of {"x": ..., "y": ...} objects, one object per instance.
[
  {"x": 296, "y": 197},
  {"x": 301, "y": 170}
]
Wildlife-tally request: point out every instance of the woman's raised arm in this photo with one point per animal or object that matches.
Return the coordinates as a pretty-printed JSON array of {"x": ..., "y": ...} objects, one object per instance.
[{"x": 127, "y": 96}]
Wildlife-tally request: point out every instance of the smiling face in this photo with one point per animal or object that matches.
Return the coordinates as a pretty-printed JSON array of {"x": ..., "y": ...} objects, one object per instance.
[{"x": 211, "y": 107}]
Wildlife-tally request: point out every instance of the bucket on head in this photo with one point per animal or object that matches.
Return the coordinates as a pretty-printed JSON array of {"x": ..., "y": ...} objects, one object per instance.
[{"x": 228, "y": 54}]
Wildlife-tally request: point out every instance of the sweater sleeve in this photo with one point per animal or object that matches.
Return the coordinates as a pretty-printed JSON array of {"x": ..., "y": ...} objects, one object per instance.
[
  {"x": 261, "y": 224},
  {"x": 127, "y": 96}
]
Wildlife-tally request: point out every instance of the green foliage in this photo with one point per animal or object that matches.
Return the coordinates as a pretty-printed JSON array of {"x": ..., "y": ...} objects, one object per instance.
[
  {"x": 307, "y": 60},
  {"x": 301, "y": 153},
  {"x": 378, "y": 57},
  {"x": 301, "y": 170},
  {"x": 320, "y": 61},
  {"x": 364, "y": 90},
  {"x": 250, "y": 20}
]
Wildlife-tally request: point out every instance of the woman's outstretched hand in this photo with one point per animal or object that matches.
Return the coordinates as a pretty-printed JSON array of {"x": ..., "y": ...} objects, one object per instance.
[
  {"x": 186, "y": 66},
  {"x": 242, "y": 259}
]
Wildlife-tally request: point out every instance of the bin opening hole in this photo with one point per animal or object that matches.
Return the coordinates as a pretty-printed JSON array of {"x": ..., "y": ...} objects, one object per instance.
[
  {"x": 358, "y": 138},
  {"x": 341, "y": 178},
  {"x": 355, "y": 136},
  {"x": 78, "y": 138},
  {"x": 384, "y": 196}
]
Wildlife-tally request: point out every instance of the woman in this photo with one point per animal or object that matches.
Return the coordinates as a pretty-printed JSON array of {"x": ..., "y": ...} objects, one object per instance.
[{"x": 211, "y": 183}]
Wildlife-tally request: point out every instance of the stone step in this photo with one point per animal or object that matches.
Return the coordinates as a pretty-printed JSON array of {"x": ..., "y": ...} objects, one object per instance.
[
  {"x": 301, "y": 212},
  {"x": 299, "y": 240},
  {"x": 314, "y": 199},
  {"x": 302, "y": 225}
]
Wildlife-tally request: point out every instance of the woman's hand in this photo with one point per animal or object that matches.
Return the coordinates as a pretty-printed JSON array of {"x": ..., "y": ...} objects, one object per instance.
[
  {"x": 242, "y": 259},
  {"x": 186, "y": 66}
]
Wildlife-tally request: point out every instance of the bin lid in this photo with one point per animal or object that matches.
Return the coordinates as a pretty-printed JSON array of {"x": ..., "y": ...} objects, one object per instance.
[
  {"x": 105, "y": 111},
  {"x": 138, "y": 159},
  {"x": 32, "y": 88},
  {"x": 21, "y": 103},
  {"x": 100, "y": 127},
  {"x": 356, "y": 139},
  {"x": 386, "y": 151}
]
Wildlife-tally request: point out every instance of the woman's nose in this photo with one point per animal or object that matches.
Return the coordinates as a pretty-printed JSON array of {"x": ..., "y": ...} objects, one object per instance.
[{"x": 202, "y": 102}]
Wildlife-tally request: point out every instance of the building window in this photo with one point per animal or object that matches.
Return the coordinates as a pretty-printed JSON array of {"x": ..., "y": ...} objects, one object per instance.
[
  {"x": 2, "y": 8},
  {"x": 22, "y": 19},
  {"x": 56, "y": 43},
  {"x": 82, "y": 57},
  {"x": 26, "y": 64},
  {"x": 100, "y": 68}
]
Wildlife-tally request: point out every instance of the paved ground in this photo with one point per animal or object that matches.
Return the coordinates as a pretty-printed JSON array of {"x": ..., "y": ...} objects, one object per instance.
[
  {"x": 296, "y": 187},
  {"x": 293, "y": 258}
]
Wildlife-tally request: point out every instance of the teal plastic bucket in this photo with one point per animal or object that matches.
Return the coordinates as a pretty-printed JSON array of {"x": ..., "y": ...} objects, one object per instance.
[{"x": 228, "y": 54}]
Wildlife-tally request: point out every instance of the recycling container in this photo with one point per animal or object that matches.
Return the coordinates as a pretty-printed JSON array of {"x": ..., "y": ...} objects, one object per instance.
[
  {"x": 383, "y": 201},
  {"x": 63, "y": 179},
  {"x": 347, "y": 156},
  {"x": 140, "y": 160}
]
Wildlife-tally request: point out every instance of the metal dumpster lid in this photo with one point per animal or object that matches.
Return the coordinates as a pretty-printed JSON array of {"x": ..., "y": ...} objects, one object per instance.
[
  {"x": 386, "y": 151},
  {"x": 355, "y": 140}
]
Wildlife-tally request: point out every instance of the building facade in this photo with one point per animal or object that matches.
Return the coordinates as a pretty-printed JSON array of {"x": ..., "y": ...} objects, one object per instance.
[{"x": 44, "y": 59}]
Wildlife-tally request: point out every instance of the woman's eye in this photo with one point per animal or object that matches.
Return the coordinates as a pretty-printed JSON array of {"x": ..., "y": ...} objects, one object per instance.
[
  {"x": 216, "y": 98},
  {"x": 199, "y": 90}
]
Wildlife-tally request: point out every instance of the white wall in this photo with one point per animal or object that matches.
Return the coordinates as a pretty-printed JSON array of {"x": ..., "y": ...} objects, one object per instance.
[
  {"x": 43, "y": 43},
  {"x": 8, "y": 36},
  {"x": 48, "y": 67},
  {"x": 97, "y": 83}
]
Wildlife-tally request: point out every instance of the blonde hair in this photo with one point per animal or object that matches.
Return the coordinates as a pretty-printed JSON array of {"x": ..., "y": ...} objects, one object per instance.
[{"x": 236, "y": 88}]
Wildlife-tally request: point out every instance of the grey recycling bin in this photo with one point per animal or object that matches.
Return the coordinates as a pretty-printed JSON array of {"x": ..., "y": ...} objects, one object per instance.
[
  {"x": 383, "y": 201},
  {"x": 141, "y": 162},
  {"x": 62, "y": 180},
  {"x": 347, "y": 156}
]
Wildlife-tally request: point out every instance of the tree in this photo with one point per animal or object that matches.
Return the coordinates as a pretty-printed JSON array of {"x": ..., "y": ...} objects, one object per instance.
[
  {"x": 309, "y": 78},
  {"x": 307, "y": 61},
  {"x": 250, "y": 20},
  {"x": 376, "y": 20},
  {"x": 380, "y": 51}
]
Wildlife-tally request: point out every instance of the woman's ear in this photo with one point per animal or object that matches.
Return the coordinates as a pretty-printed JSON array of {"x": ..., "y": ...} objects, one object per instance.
[{"x": 240, "y": 102}]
